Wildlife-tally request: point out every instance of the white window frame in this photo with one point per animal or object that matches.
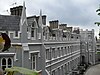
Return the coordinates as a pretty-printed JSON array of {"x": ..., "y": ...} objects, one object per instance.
[
  {"x": 33, "y": 38},
  {"x": 47, "y": 54},
  {"x": 34, "y": 61},
  {"x": 7, "y": 61}
]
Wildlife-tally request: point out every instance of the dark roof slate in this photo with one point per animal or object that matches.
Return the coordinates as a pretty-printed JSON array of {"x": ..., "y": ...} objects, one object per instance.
[{"x": 9, "y": 23}]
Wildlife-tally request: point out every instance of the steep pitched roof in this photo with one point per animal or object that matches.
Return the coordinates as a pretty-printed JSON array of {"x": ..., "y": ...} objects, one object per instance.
[{"x": 9, "y": 23}]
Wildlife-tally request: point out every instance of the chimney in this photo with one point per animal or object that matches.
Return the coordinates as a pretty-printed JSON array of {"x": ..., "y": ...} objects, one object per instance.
[
  {"x": 54, "y": 24},
  {"x": 44, "y": 19},
  {"x": 16, "y": 10},
  {"x": 62, "y": 26}
]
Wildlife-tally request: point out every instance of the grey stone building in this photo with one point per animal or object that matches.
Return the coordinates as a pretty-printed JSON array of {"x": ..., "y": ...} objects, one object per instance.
[
  {"x": 98, "y": 51},
  {"x": 52, "y": 50},
  {"x": 88, "y": 46},
  {"x": 37, "y": 46}
]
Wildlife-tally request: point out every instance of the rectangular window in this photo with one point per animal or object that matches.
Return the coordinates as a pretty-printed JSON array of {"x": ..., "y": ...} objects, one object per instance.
[
  {"x": 58, "y": 71},
  {"x": 62, "y": 69},
  {"x": 47, "y": 54},
  {"x": 68, "y": 49},
  {"x": 32, "y": 32},
  {"x": 16, "y": 33},
  {"x": 53, "y": 72},
  {"x": 65, "y": 68},
  {"x": 33, "y": 61},
  {"x": 58, "y": 52},
  {"x": 62, "y": 52},
  {"x": 65, "y": 50},
  {"x": 53, "y": 53}
]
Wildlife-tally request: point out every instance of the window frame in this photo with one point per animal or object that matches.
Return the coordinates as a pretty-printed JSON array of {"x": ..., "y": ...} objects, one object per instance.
[
  {"x": 33, "y": 67},
  {"x": 6, "y": 58}
]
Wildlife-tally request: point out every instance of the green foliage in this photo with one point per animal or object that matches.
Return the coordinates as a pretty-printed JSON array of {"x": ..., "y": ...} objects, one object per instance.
[
  {"x": 11, "y": 71},
  {"x": 98, "y": 52},
  {"x": 97, "y": 10},
  {"x": 98, "y": 23},
  {"x": 99, "y": 14}
]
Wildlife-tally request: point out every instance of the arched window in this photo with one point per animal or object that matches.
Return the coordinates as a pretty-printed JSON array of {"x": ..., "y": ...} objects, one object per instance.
[
  {"x": 9, "y": 62},
  {"x": 3, "y": 62},
  {"x": 6, "y": 63}
]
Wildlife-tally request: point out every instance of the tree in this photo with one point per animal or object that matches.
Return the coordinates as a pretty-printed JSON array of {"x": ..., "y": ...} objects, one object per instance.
[
  {"x": 25, "y": 71},
  {"x": 98, "y": 11}
]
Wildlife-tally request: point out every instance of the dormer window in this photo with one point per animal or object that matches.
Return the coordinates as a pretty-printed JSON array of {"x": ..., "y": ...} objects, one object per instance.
[
  {"x": 33, "y": 30},
  {"x": 64, "y": 36},
  {"x": 16, "y": 33},
  {"x": 33, "y": 24},
  {"x": 72, "y": 37},
  {"x": 53, "y": 35}
]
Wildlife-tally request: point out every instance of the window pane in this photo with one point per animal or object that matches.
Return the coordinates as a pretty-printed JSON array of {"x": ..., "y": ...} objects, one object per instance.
[
  {"x": 9, "y": 61},
  {"x": 47, "y": 54},
  {"x": 33, "y": 24},
  {"x": 3, "y": 61},
  {"x": 16, "y": 33},
  {"x": 32, "y": 32},
  {"x": 33, "y": 62},
  {"x": 33, "y": 65},
  {"x": 33, "y": 58}
]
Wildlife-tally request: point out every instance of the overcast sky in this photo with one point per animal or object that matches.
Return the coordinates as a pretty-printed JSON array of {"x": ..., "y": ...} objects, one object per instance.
[{"x": 80, "y": 13}]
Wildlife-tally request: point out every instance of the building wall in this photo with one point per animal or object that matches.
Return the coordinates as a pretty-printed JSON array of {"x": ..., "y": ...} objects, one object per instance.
[
  {"x": 97, "y": 50},
  {"x": 55, "y": 55},
  {"x": 69, "y": 54},
  {"x": 88, "y": 46}
]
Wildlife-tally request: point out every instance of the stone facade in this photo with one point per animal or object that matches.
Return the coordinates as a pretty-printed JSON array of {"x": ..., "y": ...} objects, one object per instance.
[
  {"x": 88, "y": 46},
  {"x": 98, "y": 50},
  {"x": 48, "y": 49}
]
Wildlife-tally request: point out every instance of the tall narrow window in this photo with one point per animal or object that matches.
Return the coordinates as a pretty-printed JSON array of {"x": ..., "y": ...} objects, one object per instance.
[
  {"x": 65, "y": 50},
  {"x": 47, "y": 54},
  {"x": 33, "y": 29},
  {"x": 53, "y": 53},
  {"x": 59, "y": 52},
  {"x": 9, "y": 63},
  {"x": 53, "y": 72},
  {"x": 32, "y": 32},
  {"x": 59, "y": 71},
  {"x": 66, "y": 69},
  {"x": 16, "y": 33},
  {"x": 62, "y": 70},
  {"x": 3, "y": 63},
  {"x": 33, "y": 58},
  {"x": 62, "y": 52}
]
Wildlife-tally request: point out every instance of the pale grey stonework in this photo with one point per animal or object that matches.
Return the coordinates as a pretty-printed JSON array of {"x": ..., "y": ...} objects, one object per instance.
[{"x": 52, "y": 55}]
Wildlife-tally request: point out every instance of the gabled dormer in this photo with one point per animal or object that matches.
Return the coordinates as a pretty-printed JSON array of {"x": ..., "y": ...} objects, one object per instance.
[{"x": 33, "y": 29}]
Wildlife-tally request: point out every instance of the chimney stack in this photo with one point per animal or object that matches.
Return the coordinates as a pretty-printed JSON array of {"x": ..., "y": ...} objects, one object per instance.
[
  {"x": 62, "y": 26},
  {"x": 44, "y": 19},
  {"x": 16, "y": 10},
  {"x": 54, "y": 24}
]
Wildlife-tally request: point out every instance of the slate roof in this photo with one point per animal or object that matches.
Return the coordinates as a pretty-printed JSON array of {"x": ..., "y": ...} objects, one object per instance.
[{"x": 9, "y": 23}]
